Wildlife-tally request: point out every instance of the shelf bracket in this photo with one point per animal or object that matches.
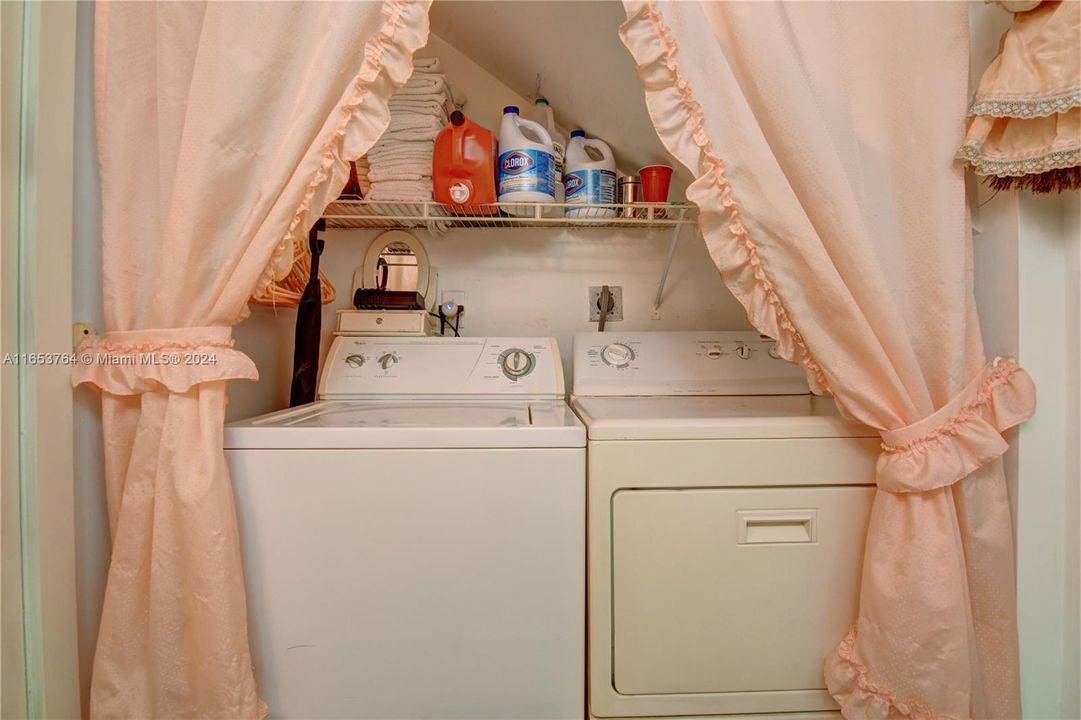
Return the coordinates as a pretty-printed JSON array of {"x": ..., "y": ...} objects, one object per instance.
[{"x": 667, "y": 266}]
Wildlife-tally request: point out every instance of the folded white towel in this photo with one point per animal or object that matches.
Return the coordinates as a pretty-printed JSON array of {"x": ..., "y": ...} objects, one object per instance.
[
  {"x": 424, "y": 85},
  {"x": 413, "y": 121},
  {"x": 416, "y": 190},
  {"x": 394, "y": 174},
  {"x": 411, "y": 134},
  {"x": 423, "y": 103},
  {"x": 431, "y": 107},
  {"x": 427, "y": 65},
  {"x": 394, "y": 150},
  {"x": 417, "y": 162},
  {"x": 423, "y": 74}
]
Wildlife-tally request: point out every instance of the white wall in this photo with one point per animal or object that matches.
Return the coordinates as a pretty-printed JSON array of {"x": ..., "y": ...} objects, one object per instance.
[
  {"x": 1071, "y": 660},
  {"x": 91, "y": 519},
  {"x": 1047, "y": 493}
]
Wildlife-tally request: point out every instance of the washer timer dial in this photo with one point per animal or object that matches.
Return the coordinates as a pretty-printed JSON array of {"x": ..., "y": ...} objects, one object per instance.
[
  {"x": 617, "y": 355},
  {"x": 516, "y": 363},
  {"x": 388, "y": 360}
]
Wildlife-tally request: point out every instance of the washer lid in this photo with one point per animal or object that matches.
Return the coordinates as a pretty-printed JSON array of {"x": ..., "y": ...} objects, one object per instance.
[
  {"x": 407, "y": 423},
  {"x": 714, "y": 417}
]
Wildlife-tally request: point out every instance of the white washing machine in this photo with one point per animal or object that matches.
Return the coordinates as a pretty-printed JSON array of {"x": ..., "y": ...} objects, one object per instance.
[
  {"x": 727, "y": 514},
  {"x": 413, "y": 541}
]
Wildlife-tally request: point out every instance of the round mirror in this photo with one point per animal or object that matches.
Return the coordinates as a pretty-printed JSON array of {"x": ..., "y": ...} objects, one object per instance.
[
  {"x": 395, "y": 261},
  {"x": 396, "y": 268}
]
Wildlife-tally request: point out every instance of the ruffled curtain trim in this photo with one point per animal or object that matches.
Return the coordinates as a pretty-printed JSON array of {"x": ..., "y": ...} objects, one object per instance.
[
  {"x": 850, "y": 684},
  {"x": 1026, "y": 106},
  {"x": 962, "y": 436},
  {"x": 667, "y": 91},
  {"x": 133, "y": 362},
  {"x": 1017, "y": 167},
  {"x": 388, "y": 60},
  {"x": 1002, "y": 147}
]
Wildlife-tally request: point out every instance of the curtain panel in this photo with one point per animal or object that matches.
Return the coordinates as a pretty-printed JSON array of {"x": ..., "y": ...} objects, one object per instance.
[
  {"x": 224, "y": 130},
  {"x": 821, "y": 137}
]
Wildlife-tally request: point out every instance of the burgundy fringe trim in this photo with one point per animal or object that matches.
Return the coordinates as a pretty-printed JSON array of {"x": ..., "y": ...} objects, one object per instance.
[{"x": 1058, "y": 180}]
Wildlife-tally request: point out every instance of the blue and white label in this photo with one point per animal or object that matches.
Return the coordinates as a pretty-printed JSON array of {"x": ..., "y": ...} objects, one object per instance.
[
  {"x": 591, "y": 187},
  {"x": 526, "y": 171}
]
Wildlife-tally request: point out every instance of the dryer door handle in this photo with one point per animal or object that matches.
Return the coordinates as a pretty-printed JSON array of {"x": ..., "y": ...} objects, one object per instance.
[{"x": 771, "y": 527}]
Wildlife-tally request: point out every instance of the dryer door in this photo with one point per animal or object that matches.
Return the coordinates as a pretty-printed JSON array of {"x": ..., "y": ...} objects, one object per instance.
[{"x": 739, "y": 591}]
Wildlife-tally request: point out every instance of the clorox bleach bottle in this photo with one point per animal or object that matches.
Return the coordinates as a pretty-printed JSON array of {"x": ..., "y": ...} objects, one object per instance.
[
  {"x": 542, "y": 113},
  {"x": 590, "y": 178},
  {"x": 526, "y": 164}
]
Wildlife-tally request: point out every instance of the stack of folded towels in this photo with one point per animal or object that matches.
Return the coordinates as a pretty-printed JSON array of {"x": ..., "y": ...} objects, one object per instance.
[{"x": 400, "y": 164}]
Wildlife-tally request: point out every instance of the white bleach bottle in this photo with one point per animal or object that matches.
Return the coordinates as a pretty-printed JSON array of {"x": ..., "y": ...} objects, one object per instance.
[
  {"x": 526, "y": 169},
  {"x": 542, "y": 113},
  {"x": 590, "y": 177}
]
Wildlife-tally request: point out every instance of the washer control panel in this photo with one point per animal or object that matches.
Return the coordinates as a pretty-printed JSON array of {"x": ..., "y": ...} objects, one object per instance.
[
  {"x": 366, "y": 366},
  {"x": 682, "y": 363}
]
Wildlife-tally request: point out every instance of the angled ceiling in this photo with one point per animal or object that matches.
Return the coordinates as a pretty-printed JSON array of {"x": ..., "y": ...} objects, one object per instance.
[{"x": 585, "y": 71}]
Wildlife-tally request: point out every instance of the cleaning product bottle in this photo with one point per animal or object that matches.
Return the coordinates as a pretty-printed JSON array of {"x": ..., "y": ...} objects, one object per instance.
[
  {"x": 542, "y": 113},
  {"x": 526, "y": 164},
  {"x": 463, "y": 167},
  {"x": 591, "y": 176}
]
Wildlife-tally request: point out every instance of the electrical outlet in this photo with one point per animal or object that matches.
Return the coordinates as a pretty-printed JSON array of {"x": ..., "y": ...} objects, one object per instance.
[
  {"x": 458, "y": 298},
  {"x": 455, "y": 296},
  {"x": 615, "y": 306}
]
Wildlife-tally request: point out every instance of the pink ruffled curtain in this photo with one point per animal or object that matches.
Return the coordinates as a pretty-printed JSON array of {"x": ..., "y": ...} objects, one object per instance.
[
  {"x": 224, "y": 129},
  {"x": 821, "y": 137}
]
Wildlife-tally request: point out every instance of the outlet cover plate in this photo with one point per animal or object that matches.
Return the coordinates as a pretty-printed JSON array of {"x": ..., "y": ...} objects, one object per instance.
[{"x": 594, "y": 303}]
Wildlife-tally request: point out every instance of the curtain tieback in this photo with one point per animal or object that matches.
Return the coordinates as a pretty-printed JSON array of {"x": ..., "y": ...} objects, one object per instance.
[
  {"x": 132, "y": 362},
  {"x": 962, "y": 435}
]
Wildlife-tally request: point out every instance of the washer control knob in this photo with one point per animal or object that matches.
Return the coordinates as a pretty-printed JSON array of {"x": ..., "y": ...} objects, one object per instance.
[
  {"x": 617, "y": 355},
  {"x": 354, "y": 360},
  {"x": 388, "y": 360},
  {"x": 516, "y": 363},
  {"x": 743, "y": 351},
  {"x": 714, "y": 353},
  {"x": 774, "y": 352}
]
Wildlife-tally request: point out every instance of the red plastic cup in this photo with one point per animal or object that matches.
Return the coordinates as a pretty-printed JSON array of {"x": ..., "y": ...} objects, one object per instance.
[{"x": 655, "y": 181}]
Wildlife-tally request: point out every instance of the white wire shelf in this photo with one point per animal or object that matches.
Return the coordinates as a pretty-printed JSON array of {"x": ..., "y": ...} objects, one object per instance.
[{"x": 438, "y": 217}]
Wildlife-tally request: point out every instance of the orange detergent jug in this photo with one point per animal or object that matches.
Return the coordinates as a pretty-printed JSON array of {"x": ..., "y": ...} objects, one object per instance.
[{"x": 463, "y": 167}]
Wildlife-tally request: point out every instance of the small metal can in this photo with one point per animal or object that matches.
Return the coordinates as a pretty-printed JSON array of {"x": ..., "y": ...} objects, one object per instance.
[{"x": 630, "y": 191}]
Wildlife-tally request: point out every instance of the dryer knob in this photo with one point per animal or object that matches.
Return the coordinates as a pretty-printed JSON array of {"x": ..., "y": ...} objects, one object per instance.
[{"x": 743, "y": 351}]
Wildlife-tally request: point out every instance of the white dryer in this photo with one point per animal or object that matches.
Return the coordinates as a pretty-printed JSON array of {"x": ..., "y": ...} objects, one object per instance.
[
  {"x": 727, "y": 514},
  {"x": 413, "y": 540}
]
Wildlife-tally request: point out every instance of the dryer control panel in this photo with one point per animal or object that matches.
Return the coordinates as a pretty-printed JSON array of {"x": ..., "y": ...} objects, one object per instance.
[
  {"x": 682, "y": 363},
  {"x": 377, "y": 366}
]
